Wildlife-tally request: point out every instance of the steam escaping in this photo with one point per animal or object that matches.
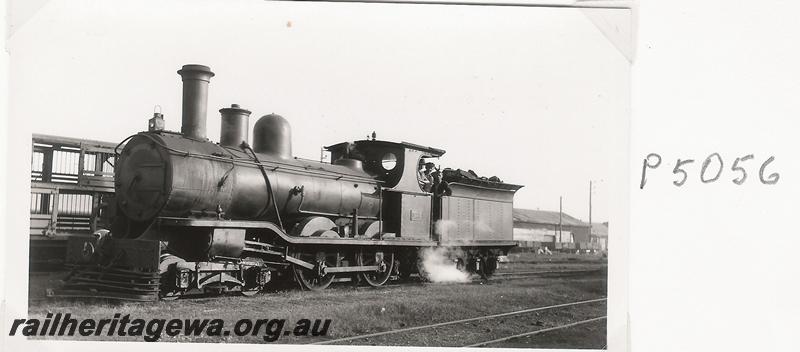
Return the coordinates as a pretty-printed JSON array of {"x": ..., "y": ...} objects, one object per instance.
[
  {"x": 439, "y": 266},
  {"x": 445, "y": 227}
]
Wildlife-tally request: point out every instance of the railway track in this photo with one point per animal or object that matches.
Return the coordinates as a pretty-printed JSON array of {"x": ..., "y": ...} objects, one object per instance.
[
  {"x": 547, "y": 273},
  {"x": 481, "y": 318},
  {"x": 535, "y": 332},
  {"x": 416, "y": 281}
]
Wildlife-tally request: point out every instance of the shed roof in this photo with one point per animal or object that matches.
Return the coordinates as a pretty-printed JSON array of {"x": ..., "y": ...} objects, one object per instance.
[{"x": 546, "y": 217}]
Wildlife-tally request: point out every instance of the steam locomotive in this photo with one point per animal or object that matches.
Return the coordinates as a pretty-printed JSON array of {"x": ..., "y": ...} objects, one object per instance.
[{"x": 193, "y": 216}]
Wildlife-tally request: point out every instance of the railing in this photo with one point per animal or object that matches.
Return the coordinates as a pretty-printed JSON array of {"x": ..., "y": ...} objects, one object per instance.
[
  {"x": 72, "y": 180},
  {"x": 64, "y": 160}
]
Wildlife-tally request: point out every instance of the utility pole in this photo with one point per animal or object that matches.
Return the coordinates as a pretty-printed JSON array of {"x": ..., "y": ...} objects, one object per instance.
[
  {"x": 590, "y": 210},
  {"x": 559, "y": 218}
]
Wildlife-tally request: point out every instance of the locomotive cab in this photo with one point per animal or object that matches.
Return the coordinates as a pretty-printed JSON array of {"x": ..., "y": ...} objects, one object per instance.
[
  {"x": 395, "y": 164},
  {"x": 407, "y": 208},
  {"x": 468, "y": 208}
]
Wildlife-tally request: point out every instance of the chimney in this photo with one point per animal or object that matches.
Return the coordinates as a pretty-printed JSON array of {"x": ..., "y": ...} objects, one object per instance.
[
  {"x": 195, "y": 100},
  {"x": 235, "y": 126}
]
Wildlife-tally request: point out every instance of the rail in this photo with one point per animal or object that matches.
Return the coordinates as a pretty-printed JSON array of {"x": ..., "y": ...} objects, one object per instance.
[
  {"x": 460, "y": 321},
  {"x": 535, "y": 332}
]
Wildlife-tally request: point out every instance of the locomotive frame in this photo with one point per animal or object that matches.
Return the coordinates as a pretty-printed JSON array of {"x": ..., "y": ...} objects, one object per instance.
[{"x": 195, "y": 216}]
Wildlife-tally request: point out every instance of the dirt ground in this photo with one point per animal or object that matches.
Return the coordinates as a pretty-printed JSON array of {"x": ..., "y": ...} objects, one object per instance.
[{"x": 362, "y": 310}]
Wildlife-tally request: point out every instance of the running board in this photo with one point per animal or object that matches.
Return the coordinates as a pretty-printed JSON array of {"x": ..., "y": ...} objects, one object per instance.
[{"x": 386, "y": 241}]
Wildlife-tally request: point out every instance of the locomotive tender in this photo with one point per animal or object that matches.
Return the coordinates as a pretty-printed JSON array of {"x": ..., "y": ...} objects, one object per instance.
[{"x": 195, "y": 216}]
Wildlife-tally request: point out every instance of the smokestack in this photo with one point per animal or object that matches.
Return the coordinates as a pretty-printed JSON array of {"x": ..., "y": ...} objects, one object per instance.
[
  {"x": 195, "y": 100},
  {"x": 235, "y": 126}
]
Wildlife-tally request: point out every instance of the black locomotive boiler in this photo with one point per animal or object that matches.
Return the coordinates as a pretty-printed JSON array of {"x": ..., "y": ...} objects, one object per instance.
[{"x": 194, "y": 216}]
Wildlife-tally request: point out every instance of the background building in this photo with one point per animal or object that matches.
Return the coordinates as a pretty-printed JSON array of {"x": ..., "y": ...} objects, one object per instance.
[
  {"x": 600, "y": 234},
  {"x": 535, "y": 228}
]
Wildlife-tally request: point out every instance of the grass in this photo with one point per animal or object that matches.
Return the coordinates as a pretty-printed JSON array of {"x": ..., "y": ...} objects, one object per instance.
[{"x": 591, "y": 335}]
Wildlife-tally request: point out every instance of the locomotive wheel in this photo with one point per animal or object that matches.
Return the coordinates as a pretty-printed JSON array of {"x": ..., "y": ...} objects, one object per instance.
[
  {"x": 249, "y": 292},
  {"x": 405, "y": 272},
  {"x": 405, "y": 264},
  {"x": 376, "y": 278},
  {"x": 166, "y": 261},
  {"x": 461, "y": 265},
  {"x": 488, "y": 267},
  {"x": 166, "y": 292},
  {"x": 311, "y": 279},
  {"x": 170, "y": 296},
  {"x": 423, "y": 274},
  {"x": 250, "y": 277}
]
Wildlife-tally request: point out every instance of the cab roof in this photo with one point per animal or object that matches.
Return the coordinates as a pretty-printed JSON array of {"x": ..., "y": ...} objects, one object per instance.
[{"x": 429, "y": 151}]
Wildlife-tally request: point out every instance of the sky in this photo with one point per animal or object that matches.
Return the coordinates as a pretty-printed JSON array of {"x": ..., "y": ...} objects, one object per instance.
[{"x": 536, "y": 96}]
